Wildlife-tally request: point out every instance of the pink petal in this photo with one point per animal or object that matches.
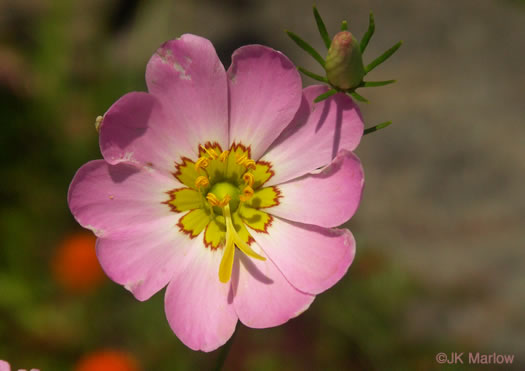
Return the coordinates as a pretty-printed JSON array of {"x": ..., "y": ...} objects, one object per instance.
[
  {"x": 146, "y": 260},
  {"x": 311, "y": 258},
  {"x": 262, "y": 296},
  {"x": 135, "y": 130},
  {"x": 319, "y": 131},
  {"x": 265, "y": 93},
  {"x": 4, "y": 366},
  {"x": 328, "y": 198},
  {"x": 189, "y": 80},
  {"x": 197, "y": 304},
  {"x": 116, "y": 200}
]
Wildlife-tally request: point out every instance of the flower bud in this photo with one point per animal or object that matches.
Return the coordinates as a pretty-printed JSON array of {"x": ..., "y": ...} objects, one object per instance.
[{"x": 344, "y": 64}]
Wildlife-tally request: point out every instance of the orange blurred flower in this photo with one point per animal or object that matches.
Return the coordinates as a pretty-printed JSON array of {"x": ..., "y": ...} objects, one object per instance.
[
  {"x": 75, "y": 265},
  {"x": 107, "y": 360}
]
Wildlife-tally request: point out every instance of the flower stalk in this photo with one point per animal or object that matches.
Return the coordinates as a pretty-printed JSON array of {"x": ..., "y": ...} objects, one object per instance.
[{"x": 223, "y": 355}]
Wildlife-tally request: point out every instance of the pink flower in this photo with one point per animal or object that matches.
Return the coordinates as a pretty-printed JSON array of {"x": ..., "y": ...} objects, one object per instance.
[
  {"x": 212, "y": 160},
  {"x": 4, "y": 366}
]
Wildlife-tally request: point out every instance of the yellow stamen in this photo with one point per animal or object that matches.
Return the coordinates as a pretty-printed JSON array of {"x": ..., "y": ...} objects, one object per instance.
[
  {"x": 233, "y": 239},
  {"x": 248, "y": 179},
  {"x": 210, "y": 151},
  {"x": 241, "y": 159},
  {"x": 214, "y": 201},
  {"x": 247, "y": 193},
  {"x": 224, "y": 155},
  {"x": 201, "y": 181},
  {"x": 202, "y": 162},
  {"x": 245, "y": 161},
  {"x": 250, "y": 164}
]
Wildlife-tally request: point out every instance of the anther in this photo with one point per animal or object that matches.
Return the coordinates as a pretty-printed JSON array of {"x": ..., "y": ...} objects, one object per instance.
[
  {"x": 210, "y": 151},
  {"x": 241, "y": 159},
  {"x": 248, "y": 179},
  {"x": 250, "y": 164},
  {"x": 201, "y": 181},
  {"x": 202, "y": 162},
  {"x": 224, "y": 155},
  {"x": 247, "y": 193},
  {"x": 214, "y": 201},
  {"x": 245, "y": 161},
  {"x": 225, "y": 201}
]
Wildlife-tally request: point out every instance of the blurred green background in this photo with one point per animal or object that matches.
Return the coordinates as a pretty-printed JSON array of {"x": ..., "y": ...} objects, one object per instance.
[{"x": 441, "y": 243}]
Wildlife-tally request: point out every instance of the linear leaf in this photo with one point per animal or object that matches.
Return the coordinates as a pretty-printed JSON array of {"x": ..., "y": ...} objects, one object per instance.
[
  {"x": 313, "y": 75},
  {"x": 383, "y": 57},
  {"x": 368, "y": 35},
  {"x": 377, "y": 127},
  {"x": 358, "y": 97},
  {"x": 371, "y": 84},
  {"x": 322, "y": 28},
  {"x": 326, "y": 95},
  {"x": 306, "y": 47}
]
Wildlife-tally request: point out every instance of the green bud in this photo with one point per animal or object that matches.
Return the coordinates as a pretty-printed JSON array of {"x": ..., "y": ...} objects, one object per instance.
[{"x": 344, "y": 64}]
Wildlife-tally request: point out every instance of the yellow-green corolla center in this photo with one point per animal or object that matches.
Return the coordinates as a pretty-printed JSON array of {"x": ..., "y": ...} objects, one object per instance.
[
  {"x": 224, "y": 195},
  {"x": 223, "y": 190}
]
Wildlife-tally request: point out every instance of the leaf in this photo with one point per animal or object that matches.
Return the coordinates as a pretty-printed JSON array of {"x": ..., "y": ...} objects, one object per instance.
[
  {"x": 322, "y": 28},
  {"x": 368, "y": 34},
  {"x": 371, "y": 84},
  {"x": 377, "y": 127},
  {"x": 313, "y": 75},
  {"x": 383, "y": 57},
  {"x": 306, "y": 47},
  {"x": 326, "y": 95},
  {"x": 358, "y": 97}
]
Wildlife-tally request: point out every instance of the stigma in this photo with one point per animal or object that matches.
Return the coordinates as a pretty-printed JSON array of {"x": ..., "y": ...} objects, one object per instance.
[{"x": 232, "y": 239}]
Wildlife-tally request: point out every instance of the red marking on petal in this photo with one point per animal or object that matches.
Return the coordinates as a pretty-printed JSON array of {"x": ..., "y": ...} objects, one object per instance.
[
  {"x": 178, "y": 165},
  {"x": 172, "y": 198},
  {"x": 235, "y": 146},
  {"x": 278, "y": 195}
]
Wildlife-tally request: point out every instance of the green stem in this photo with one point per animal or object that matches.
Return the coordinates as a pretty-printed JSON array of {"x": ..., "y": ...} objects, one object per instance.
[
  {"x": 224, "y": 353},
  {"x": 344, "y": 26},
  {"x": 377, "y": 127}
]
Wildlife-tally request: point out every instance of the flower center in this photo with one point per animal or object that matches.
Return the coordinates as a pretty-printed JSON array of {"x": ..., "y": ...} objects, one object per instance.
[
  {"x": 223, "y": 190},
  {"x": 224, "y": 195}
]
